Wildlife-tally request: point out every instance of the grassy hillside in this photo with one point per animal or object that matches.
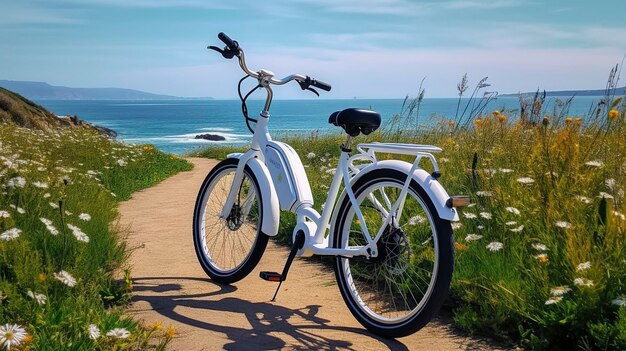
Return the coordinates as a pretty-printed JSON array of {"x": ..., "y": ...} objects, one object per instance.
[
  {"x": 59, "y": 252},
  {"x": 15, "y": 109}
]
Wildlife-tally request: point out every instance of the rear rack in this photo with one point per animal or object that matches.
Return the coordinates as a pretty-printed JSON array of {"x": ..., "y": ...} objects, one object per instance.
[{"x": 367, "y": 152}]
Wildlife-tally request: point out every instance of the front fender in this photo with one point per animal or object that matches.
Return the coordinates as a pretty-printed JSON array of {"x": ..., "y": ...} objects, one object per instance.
[{"x": 271, "y": 209}]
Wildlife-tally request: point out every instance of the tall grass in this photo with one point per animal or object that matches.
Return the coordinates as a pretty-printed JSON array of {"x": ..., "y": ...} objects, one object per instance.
[
  {"x": 541, "y": 250},
  {"x": 59, "y": 252}
]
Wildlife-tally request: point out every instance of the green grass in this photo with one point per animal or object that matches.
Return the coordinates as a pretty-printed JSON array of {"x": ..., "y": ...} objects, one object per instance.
[
  {"x": 71, "y": 177},
  {"x": 539, "y": 179}
]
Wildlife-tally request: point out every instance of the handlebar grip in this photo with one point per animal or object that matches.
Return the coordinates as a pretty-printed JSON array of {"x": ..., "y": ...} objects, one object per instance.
[
  {"x": 321, "y": 85},
  {"x": 230, "y": 44}
]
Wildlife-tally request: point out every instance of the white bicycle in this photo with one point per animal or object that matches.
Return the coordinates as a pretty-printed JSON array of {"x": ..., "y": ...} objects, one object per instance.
[{"x": 389, "y": 228}]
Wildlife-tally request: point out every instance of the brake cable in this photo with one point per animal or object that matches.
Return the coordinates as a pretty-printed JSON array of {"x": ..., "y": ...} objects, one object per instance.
[{"x": 244, "y": 107}]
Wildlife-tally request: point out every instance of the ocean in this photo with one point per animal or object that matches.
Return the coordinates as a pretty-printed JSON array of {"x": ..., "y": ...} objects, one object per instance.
[{"x": 171, "y": 125}]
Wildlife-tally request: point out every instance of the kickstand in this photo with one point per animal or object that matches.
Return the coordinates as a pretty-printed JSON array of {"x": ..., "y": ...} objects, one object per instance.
[{"x": 272, "y": 276}]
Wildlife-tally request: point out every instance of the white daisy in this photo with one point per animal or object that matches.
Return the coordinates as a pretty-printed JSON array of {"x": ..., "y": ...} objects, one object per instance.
[
  {"x": 510, "y": 223},
  {"x": 605, "y": 195},
  {"x": 65, "y": 278},
  {"x": 94, "y": 332},
  {"x": 594, "y": 163},
  {"x": 526, "y": 180},
  {"x": 416, "y": 220},
  {"x": 480, "y": 227},
  {"x": 46, "y": 195},
  {"x": 118, "y": 333},
  {"x": 4, "y": 214},
  {"x": 10, "y": 234},
  {"x": 618, "y": 302},
  {"x": 40, "y": 298},
  {"x": 469, "y": 215},
  {"x": 40, "y": 185},
  {"x": 473, "y": 237},
  {"x": 540, "y": 256},
  {"x": 560, "y": 290},
  {"x": 11, "y": 335},
  {"x": 16, "y": 182},
  {"x": 583, "y": 282},
  {"x": 513, "y": 210},
  {"x": 554, "y": 300},
  {"x": 84, "y": 217},
  {"x": 78, "y": 233},
  {"x": 518, "y": 229},
  {"x": 583, "y": 199},
  {"x": 619, "y": 215},
  {"x": 495, "y": 246},
  {"x": 485, "y": 215},
  {"x": 456, "y": 225},
  {"x": 484, "y": 193},
  {"x": 53, "y": 205},
  {"x": 505, "y": 170},
  {"x": 583, "y": 266},
  {"x": 563, "y": 224},
  {"x": 540, "y": 247},
  {"x": 310, "y": 155}
]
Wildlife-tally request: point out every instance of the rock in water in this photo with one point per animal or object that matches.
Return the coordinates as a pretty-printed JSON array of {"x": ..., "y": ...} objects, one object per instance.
[{"x": 211, "y": 137}]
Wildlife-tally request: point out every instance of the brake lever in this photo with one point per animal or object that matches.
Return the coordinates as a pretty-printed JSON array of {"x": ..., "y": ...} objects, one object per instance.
[
  {"x": 313, "y": 90},
  {"x": 306, "y": 85},
  {"x": 226, "y": 53}
]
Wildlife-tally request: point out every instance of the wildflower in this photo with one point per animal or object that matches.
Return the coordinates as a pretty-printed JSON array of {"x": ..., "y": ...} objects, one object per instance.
[
  {"x": 460, "y": 246},
  {"x": 483, "y": 193},
  {"x": 560, "y": 290},
  {"x": 68, "y": 213},
  {"x": 84, "y": 217},
  {"x": 495, "y": 113},
  {"x": 619, "y": 215},
  {"x": 310, "y": 155},
  {"x": 495, "y": 246},
  {"x": 578, "y": 120},
  {"x": 505, "y": 170},
  {"x": 4, "y": 214},
  {"x": 568, "y": 120},
  {"x": 53, "y": 205},
  {"x": 11, "y": 335},
  {"x": 583, "y": 199},
  {"x": 469, "y": 215},
  {"x": 501, "y": 118},
  {"x": 18, "y": 182},
  {"x": 554, "y": 300},
  {"x": 118, "y": 333},
  {"x": 170, "y": 332},
  {"x": 42, "y": 277},
  {"x": 563, "y": 224},
  {"x": 478, "y": 122},
  {"x": 40, "y": 298},
  {"x": 613, "y": 114},
  {"x": 450, "y": 124},
  {"x": 48, "y": 223},
  {"x": 513, "y": 210},
  {"x": 510, "y": 223},
  {"x": 583, "y": 266},
  {"x": 417, "y": 219},
  {"x": 526, "y": 180},
  {"x": 10, "y": 234},
  {"x": 539, "y": 247},
  {"x": 595, "y": 163},
  {"x": 542, "y": 258},
  {"x": 456, "y": 225},
  {"x": 46, "y": 195},
  {"x": 490, "y": 172},
  {"x": 40, "y": 185},
  {"x": 65, "y": 278},
  {"x": 518, "y": 229},
  {"x": 480, "y": 227},
  {"x": 473, "y": 237},
  {"x": 546, "y": 121},
  {"x": 618, "y": 302},
  {"x": 122, "y": 162},
  {"x": 605, "y": 195},
  {"x": 583, "y": 282},
  {"x": 156, "y": 326},
  {"x": 485, "y": 215},
  {"x": 94, "y": 332},
  {"x": 78, "y": 233}
]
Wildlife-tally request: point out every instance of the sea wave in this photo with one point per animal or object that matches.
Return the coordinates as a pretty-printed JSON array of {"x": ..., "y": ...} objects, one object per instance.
[
  {"x": 230, "y": 138},
  {"x": 217, "y": 129}
]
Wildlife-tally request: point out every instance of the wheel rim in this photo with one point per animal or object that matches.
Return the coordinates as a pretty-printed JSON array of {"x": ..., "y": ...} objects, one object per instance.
[
  {"x": 227, "y": 243},
  {"x": 396, "y": 285}
]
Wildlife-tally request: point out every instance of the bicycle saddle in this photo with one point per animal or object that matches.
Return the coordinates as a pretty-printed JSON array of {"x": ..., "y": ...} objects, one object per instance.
[{"x": 355, "y": 121}]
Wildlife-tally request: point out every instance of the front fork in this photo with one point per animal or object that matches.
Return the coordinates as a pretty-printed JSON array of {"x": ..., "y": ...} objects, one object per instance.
[{"x": 237, "y": 181}]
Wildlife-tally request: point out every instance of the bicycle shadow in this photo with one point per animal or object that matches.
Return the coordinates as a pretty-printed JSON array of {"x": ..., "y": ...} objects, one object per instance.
[{"x": 270, "y": 323}]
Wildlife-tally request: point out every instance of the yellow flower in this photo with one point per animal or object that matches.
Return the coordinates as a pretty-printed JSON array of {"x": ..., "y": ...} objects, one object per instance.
[
  {"x": 156, "y": 326},
  {"x": 450, "y": 124},
  {"x": 543, "y": 259},
  {"x": 460, "y": 246},
  {"x": 613, "y": 114},
  {"x": 145, "y": 147},
  {"x": 170, "y": 332},
  {"x": 42, "y": 277},
  {"x": 501, "y": 118},
  {"x": 578, "y": 120},
  {"x": 495, "y": 113},
  {"x": 568, "y": 120},
  {"x": 478, "y": 122}
]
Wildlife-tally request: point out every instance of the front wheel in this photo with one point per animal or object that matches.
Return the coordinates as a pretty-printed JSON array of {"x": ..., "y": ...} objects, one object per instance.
[
  {"x": 228, "y": 248},
  {"x": 396, "y": 293}
]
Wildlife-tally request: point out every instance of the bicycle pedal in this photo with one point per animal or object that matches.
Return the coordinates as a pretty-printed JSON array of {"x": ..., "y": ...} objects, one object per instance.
[{"x": 271, "y": 276}]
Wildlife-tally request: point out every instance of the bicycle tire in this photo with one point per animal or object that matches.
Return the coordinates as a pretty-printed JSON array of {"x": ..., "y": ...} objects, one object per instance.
[
  {"x": 238, "y": 229},
  {"x": 359, "y": 279}
]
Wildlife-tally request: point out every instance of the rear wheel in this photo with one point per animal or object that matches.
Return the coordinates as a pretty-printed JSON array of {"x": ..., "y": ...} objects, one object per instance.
[
  {"x": 228, "y": 248},
  {"x": 399, "y": 291}
]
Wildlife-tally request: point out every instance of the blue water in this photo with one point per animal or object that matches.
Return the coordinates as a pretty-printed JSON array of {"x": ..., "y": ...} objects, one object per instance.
[{"x": 172, "y": 125}]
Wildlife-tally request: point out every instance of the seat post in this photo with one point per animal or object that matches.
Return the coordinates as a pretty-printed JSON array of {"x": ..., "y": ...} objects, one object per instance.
[{"x": 345, "y": 147}]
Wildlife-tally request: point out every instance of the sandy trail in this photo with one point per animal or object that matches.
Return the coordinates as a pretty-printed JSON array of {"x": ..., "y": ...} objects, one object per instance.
[{"x": 170, "y": 287}]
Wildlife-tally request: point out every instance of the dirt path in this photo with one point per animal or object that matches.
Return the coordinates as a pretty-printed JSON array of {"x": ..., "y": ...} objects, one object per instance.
[{"x": 309, "y": 314}]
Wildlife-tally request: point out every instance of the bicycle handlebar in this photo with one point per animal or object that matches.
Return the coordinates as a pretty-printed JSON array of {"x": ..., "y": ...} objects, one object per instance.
[{"x": 233, "y": 49}]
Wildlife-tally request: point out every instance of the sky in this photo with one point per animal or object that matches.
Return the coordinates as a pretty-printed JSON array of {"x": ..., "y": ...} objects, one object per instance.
[{"x": 363, "y": 48}]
